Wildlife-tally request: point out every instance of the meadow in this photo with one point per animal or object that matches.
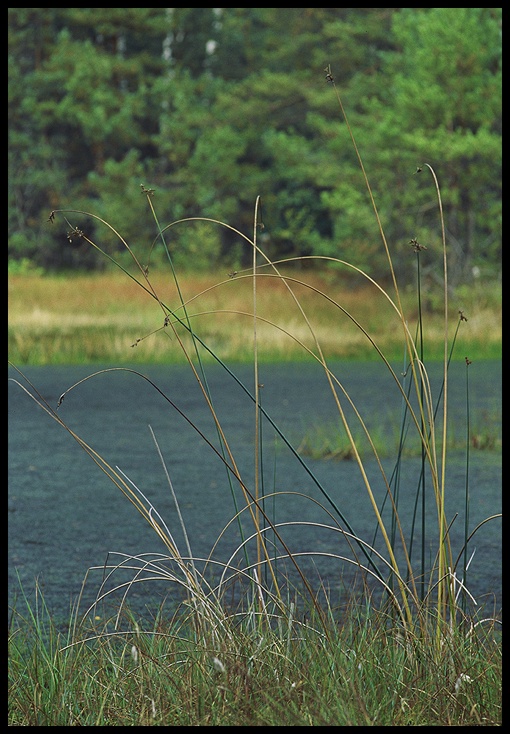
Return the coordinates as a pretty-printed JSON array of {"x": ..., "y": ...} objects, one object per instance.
[
  {"x": 78, "y": 318},
  {"x": 248, "y": 647}
]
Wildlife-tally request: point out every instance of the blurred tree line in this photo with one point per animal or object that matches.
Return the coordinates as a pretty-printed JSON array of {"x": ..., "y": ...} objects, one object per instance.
[{"x": 213, "y": 107}]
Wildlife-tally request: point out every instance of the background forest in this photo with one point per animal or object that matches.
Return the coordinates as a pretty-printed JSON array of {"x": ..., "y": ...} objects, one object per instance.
[{"x": 213, "y": 107}]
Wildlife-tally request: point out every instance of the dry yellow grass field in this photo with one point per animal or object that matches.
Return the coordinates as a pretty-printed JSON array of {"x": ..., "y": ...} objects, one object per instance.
[{"x": 81, "y": 318}]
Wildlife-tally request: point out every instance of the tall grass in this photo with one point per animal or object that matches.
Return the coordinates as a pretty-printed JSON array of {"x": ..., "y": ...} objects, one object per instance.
[{"x": 257, "y": 640}]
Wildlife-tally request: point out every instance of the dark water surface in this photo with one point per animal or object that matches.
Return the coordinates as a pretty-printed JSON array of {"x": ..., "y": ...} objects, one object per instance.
[{"x": 65, "y": 515}]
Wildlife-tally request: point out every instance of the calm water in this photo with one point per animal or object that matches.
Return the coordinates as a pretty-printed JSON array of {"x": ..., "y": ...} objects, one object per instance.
[{"x": 65, "y": 515}]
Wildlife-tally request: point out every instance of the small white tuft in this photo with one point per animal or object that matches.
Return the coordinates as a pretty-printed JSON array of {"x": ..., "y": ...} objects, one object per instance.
[
  {"x": 218, "y": 665},
  {"x": 463, "y": 678}
]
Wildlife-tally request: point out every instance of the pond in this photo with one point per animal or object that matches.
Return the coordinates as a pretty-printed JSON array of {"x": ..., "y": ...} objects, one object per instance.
[{"x": 66, "y": 515}]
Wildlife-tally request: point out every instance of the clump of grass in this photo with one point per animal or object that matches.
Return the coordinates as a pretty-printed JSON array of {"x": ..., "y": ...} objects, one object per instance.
[
  {"x": 296, "y": 672},
  {"x": 328, "y": 440},
  {"x": 257, "y": 641}
]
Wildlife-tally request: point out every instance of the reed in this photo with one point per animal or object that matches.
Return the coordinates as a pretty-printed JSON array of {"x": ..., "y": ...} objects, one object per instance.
[{"x": 257, "y": 640}]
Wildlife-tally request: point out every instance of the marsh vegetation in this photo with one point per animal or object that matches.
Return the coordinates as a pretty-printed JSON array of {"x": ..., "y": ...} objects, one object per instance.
[{"x": 250, "y": 646}]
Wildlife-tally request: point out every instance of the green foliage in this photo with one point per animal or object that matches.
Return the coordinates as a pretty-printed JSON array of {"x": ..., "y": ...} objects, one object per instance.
[
  {"x": 23, "y": 266},
  {"x": 443, "y": 104},
  {"x": 216, "y": 106}
]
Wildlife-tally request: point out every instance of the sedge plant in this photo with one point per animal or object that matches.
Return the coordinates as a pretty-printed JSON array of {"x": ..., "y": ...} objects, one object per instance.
[{"x": 421, "y": 602}]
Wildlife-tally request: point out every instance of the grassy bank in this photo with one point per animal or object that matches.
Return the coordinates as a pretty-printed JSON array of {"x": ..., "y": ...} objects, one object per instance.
[
  {"x": 240, "y": 671},
  {"x": 87, "y": 319}
]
